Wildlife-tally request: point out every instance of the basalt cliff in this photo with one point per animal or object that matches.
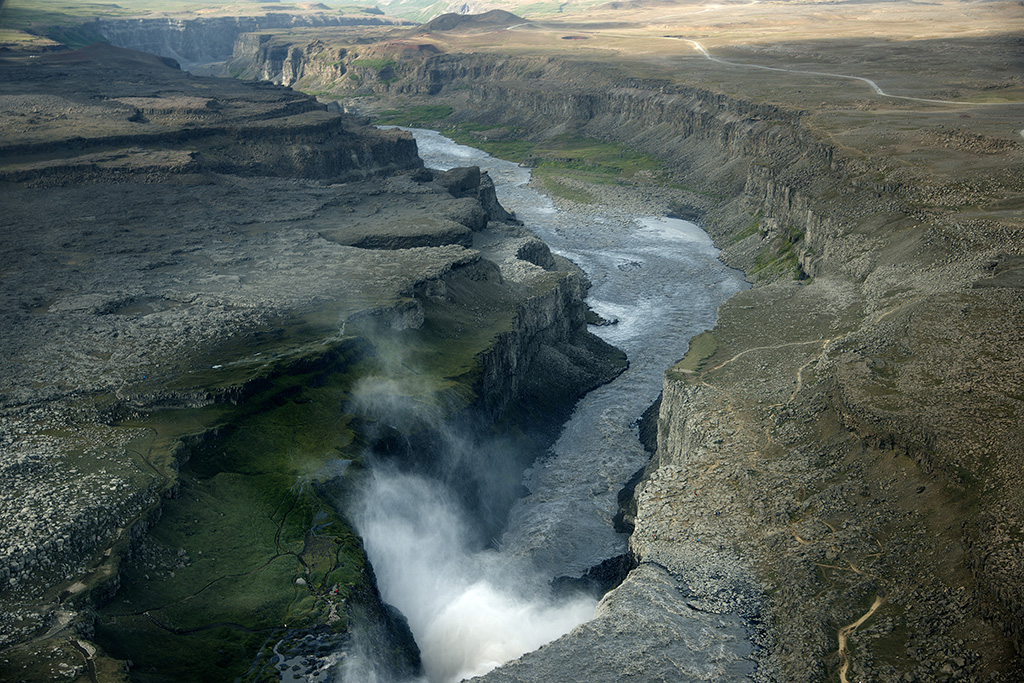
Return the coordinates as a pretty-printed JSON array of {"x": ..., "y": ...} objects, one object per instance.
[
  {"x": 838, "y": 461},
  {"x": 192, "y": 40},
  {"x": 199, "y": 278}
]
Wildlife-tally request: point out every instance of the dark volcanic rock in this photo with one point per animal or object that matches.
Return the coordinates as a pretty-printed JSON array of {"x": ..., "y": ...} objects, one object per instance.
[{"x": 154, "y": 118}]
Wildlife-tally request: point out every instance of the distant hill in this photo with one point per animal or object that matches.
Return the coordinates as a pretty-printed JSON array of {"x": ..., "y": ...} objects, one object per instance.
[
  {"x": 496, "y": 18},
  {"x": 426, "y": 10},
  {"x": 636, "y": 4}
]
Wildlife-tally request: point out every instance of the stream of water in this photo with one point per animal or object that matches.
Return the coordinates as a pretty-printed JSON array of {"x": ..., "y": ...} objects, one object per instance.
[{"x": 472, "y": 606}]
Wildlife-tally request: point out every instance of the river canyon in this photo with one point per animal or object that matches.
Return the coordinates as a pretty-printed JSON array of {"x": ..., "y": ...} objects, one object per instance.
[
  {"x": 252, "y": 336},
  {"x": 474, "y": 606}
]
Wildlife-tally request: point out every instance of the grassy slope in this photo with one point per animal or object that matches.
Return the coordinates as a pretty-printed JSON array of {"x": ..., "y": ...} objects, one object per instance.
[
  {"x": 247, "y": 521},
  {"x": 554, "y": 160}
]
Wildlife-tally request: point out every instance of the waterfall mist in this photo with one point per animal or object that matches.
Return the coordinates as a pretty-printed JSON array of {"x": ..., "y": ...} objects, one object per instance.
[
  {"x": 471, "y": 601},
  {"x": 469, "y": 607},
  {"x": 428, "y": 519}
]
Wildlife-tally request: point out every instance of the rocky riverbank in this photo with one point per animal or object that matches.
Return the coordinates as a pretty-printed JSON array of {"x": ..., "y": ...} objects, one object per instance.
[{"x": 197, "y": 273}]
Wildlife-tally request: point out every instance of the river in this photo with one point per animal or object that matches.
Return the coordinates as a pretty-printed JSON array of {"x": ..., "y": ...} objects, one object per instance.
[{"x": 473, "y": 607}]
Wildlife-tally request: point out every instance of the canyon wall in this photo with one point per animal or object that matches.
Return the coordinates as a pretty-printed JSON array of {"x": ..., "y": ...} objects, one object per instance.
[
  {"x": 849, "y": 425},
  {"x": 209, "y": 39}
]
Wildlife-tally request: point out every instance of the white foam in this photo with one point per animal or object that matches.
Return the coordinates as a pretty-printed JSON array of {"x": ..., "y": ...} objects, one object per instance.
[
  {"x": 469, "y": 609},
  {"x": 675, "y": 229}
]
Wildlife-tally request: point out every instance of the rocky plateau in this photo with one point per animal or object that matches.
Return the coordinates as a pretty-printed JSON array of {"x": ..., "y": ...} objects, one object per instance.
[
  {"x": 181, "y": 253},
  {"x": 837, "y": 462}
]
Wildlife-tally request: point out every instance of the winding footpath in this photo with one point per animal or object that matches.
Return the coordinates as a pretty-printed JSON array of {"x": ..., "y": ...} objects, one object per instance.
[{"x": 874, "y": 86}]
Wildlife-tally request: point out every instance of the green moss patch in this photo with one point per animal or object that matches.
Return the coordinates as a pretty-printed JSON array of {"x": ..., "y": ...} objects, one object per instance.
[
  {"x": 371, "y": 63},
  {"x": 592, "y": 160},
  {"x": 249, "y": 549},
  {"x": 236, "y": 561},
  {"x": 779, "y": 257},
  {"x": 421, "y": 115},
  {"x": 556, "y": 188},
  {"x": 701, "y": 348},
  {"x": 746, "y": 232}
]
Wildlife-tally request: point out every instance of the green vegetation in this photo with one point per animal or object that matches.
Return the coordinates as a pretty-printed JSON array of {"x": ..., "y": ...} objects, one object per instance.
[
  {"x": 587, "y": 161},
  {"x": 701, "y": 349},
  {"x": 215, "y": 583},
  {"x": 754, "y": 226},
  {"x": 22, "y": 39},
  {"x": 554, "y": 160},
  {"x": 371, "y": 63},
  {"x": 22, "y": 14},
  {"x": 226, "y": 556},
  {"x": 564, "y": 158},
  {"x": 445, "y": 351},
  {"x": 419, "y": 116},
  {"x": 779, "y": 257},
  {"x": 555, "y": 187},
  {"x": 593, "y": 160},
  {"x": 510, "y": 150}
]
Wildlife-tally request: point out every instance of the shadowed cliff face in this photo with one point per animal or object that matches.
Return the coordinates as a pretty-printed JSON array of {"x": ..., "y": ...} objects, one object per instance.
[
  {"x": 196, "y": 275},
  {"x": 845, "y": 441},
  {"x": 210, "y": 39}
]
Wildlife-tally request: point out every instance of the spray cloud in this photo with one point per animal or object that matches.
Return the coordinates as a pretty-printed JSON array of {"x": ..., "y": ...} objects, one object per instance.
[{"x": 428, "y": 529}]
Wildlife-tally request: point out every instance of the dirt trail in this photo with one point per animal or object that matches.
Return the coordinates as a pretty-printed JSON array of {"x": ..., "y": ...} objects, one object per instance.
[
  {"x": 874, "y": 86},
  {"x": 765, "y": 348},
  {"x": 844, "y": 634}
]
